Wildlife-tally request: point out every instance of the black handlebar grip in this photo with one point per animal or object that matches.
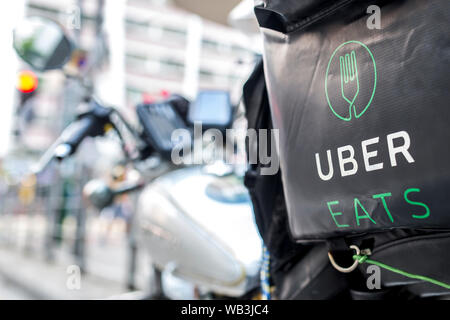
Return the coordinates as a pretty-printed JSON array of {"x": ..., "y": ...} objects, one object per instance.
[{"x": 75, "y": 133}]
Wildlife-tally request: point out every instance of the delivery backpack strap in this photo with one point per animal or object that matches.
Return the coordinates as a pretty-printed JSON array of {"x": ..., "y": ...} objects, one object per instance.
[{"x": 266, "y": 191}]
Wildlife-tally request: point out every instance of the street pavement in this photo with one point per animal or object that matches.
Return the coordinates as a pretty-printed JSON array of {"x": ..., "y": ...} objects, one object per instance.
[
  {"x": 9, "y": 291},
  {"x": 27, "y": 275},
  {"x": 39, "y": 280}
]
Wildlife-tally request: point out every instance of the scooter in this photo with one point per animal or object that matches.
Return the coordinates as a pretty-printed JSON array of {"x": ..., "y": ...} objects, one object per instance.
[{"x": 195, "y": 221}]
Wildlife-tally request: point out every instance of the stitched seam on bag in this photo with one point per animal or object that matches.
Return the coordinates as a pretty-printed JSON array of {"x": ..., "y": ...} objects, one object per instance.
[
  {"x": 295, "y": 26},
  {"x": 410, "y": 239}
]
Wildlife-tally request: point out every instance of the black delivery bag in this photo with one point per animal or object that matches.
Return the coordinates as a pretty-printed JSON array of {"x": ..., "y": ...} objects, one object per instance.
[{"x": 363, "y": 113}]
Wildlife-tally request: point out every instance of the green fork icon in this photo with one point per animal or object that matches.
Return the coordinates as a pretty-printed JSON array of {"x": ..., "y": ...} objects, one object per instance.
[{"x": 349, "y": 79}]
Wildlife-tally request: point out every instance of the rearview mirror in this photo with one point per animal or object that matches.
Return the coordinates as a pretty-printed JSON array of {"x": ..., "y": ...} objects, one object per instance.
[{"x": 42, "y": 43}]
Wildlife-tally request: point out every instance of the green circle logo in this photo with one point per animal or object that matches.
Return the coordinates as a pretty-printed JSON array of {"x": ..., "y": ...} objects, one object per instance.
[{"x": 350, "y": 80}]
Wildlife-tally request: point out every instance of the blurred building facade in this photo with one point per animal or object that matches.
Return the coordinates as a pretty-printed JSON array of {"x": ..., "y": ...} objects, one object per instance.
[
  {"x": 155, "y": 49},
  {"x": 168, "y": 49}
]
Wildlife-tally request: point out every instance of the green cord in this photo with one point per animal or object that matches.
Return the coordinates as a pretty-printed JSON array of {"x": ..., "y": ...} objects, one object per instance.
[{"x": 364, "y": 258}]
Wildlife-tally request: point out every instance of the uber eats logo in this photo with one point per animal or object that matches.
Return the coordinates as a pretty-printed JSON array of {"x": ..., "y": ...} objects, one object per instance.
[
  {"x": 350, "y": 83},
  {"x": 350, "y": 80}
]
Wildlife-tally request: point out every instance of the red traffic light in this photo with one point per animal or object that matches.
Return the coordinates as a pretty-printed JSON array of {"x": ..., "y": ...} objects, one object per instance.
[{"x": 27, "y": 81}]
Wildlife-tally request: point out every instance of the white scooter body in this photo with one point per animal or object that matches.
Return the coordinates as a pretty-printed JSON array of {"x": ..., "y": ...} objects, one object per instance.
[{"x": 197, "y": 239}]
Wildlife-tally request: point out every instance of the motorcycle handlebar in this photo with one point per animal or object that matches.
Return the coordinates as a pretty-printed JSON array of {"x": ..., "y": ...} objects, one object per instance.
[
  {"x": 74, "y": 134},
  {"x": 93, "y": 123},
  {"x": 90, "y": 124}
]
